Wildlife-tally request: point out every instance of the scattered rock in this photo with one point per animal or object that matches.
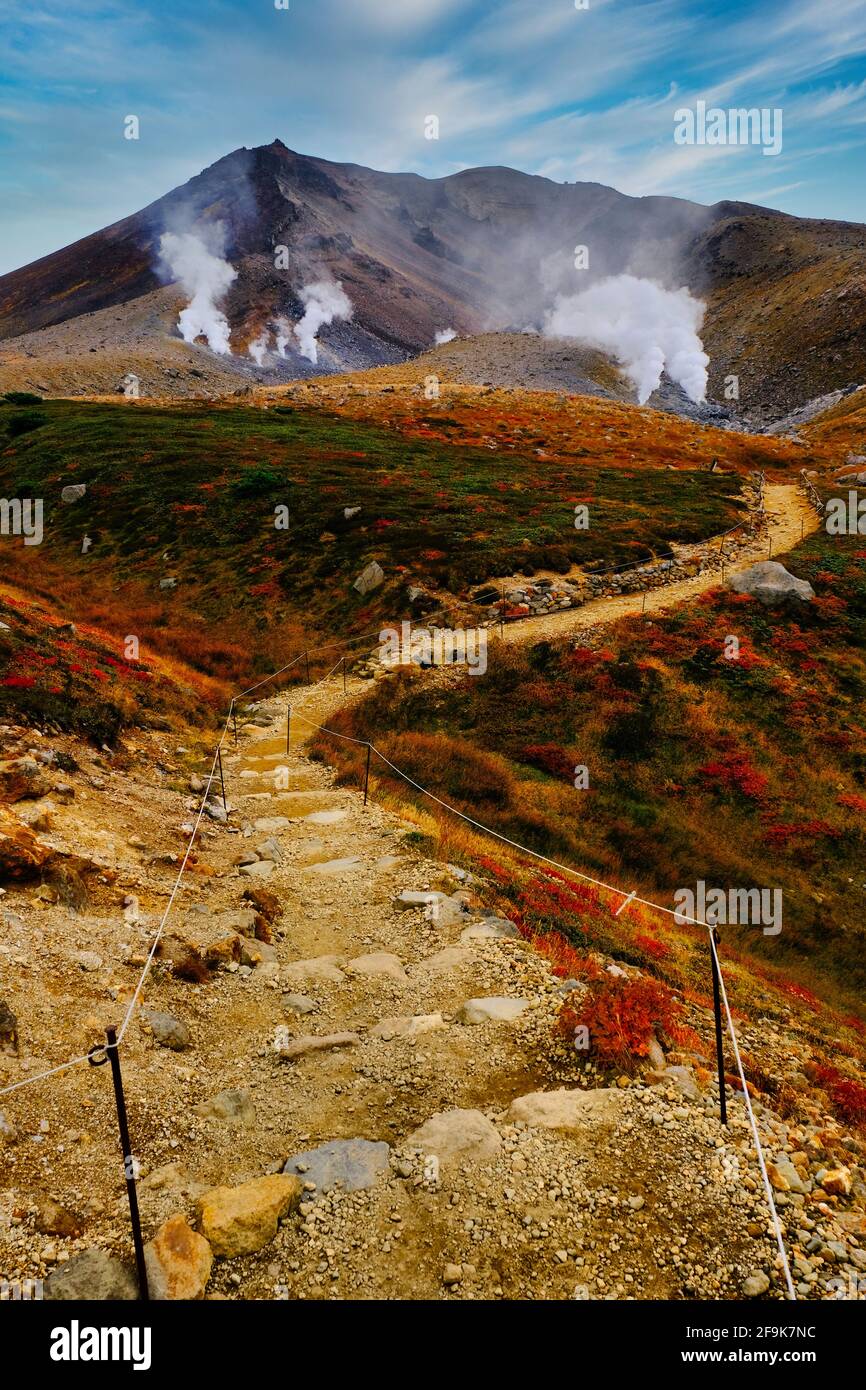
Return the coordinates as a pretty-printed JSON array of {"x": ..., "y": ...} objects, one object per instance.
[
  {"x": 332, "y": 867},
  {"x": 492, "y": 928},
  {"x": 23, "y": 779},
  {"x": 318, "y": 970},
  {"x": 261, "y": 868},
  {"x": 235, "y": 1107},
  {"x": 299, "y": 1004},
  {"x": 73, "y": 492},
  {"x": 568, "y": 1110},
  {"x": 256, "y": 953},
  {"x": 835, "y": 1181},
  {"x": 299, "y": 1047},
  {"x": 440, "y": 908},
  {"x": 168, "y": 1031},
  {"x": 755, "y": 1285},
  {"x": 495, "y": 1009},
  {"x": 379, "y": 963},
  {"x": 8, "y": 1132},
  {"x": 52, "y": 1219}
]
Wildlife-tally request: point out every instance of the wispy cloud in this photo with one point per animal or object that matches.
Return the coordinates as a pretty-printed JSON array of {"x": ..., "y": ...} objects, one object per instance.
[{"x": 568, "y": 93}]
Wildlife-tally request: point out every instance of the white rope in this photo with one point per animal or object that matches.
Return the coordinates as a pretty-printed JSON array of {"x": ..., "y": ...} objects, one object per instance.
[
  {"x": 632, "y": 897},
  {"x": 780, "y": 1241},
  {"x": 180, "y": 873},
  {"x": 515, "y": 844},
  {"x": 524, "y": 849},
  {"x": 31, "y": 1080}
]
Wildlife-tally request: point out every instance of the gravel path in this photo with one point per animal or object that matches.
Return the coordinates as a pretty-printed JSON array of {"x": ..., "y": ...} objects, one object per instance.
[{"x": 791, "y": 517}]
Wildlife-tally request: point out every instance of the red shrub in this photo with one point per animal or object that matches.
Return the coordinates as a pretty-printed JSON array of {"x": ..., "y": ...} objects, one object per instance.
[
  {"x": 735, "y": 773},
  {"x": 780, "y": 835},
  {"x": 621, "y": 1016},
  {"x": 549, "y": 757},
  {"x": 655, "y": 949},
  {"x": 848, "y": 1097}
]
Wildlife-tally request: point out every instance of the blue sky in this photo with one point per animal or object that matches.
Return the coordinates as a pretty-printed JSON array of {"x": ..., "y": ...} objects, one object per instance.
[{"x": 537, "y": 84}]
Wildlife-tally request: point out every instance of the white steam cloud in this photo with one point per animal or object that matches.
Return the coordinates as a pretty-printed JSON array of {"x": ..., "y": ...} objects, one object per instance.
[
  {"x": 325, "y": 301},
  {"x": 647, "y": 328},
  {"x": 259, "y": 347},
  {"x": 445, "y": 335},
  {"x": 206, "y": 277},
  {"x": 283, "y": 331}
]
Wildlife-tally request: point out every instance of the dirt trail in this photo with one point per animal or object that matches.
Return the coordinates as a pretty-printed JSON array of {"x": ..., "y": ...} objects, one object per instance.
[
  {"x": 623, "y": 1191},
  {"x": 513, "y": 1208},
  {"x": 790, "y": 518}
]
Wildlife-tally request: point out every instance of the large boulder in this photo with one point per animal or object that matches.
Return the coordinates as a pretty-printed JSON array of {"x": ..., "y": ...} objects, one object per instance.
[
  {"x": 352, "y": 1164},
  {"x": 457, "y": 1136},
  {"x": 369, "y": 578},
  {"x": 492, "y": 1009},
  {"x": 567, "y": 1110},
  {"x": 178, "y": 1261},
  {"x": 93, "y": 1275},
  {"x": 771, "y": 584},
  {"x": 242, "y": 1220},
  {"x": 22, "y": 779}
]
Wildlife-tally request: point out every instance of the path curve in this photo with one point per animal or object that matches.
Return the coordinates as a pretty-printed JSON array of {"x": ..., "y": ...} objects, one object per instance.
[{"x": 790, "y": 516}]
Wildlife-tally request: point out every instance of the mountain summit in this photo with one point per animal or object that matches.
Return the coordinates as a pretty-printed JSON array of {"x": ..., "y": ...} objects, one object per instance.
[{"x": 481, "y": 249}]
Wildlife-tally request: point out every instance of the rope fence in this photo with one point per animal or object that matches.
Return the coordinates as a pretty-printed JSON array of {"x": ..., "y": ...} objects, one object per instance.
[{"x": 110, "y": 1051}]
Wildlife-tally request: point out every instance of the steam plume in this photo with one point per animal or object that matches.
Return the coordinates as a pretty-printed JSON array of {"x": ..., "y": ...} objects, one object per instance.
[
  {"x": 259, "y": 346},
  {"x": 325, "y": 301},
  {"x": 649, "y": 329},
  {"x": 445, "y": 335},
  {"x": 283, "y": 331},
  {"x": 206, "y": 277}
]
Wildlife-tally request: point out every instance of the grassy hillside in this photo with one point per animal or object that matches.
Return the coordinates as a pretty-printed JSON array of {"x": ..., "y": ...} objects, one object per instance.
[
  {"x": 746, "y": 773},
  {"x": 188, "y": 493}
]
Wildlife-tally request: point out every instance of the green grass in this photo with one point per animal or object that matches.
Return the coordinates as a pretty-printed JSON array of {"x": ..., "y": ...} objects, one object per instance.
[{"x": 202, "y": 484}]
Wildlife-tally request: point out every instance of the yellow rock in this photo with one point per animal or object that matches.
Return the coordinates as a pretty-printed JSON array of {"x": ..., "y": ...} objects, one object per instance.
[
  {"x": 778, "y": 1180},
  {"x": 837, "y": 1182},
  {"x": 178, "y": 1261},
  {"x": 241, "y": 1220}
]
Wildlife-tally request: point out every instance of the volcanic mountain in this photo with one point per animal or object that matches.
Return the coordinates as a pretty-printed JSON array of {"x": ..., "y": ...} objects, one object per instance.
[{"x": 479, "y": 250}]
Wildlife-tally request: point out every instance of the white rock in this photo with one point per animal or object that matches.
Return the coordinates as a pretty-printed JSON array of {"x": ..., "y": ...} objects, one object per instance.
[
  {"x": 457, "y": 1135},
  {"x": 379, "y": 963},
  {"x": 495, "y": 1009},
  {"x": 318, "y": 970},
  {"x": 568, "y": 1110}
]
